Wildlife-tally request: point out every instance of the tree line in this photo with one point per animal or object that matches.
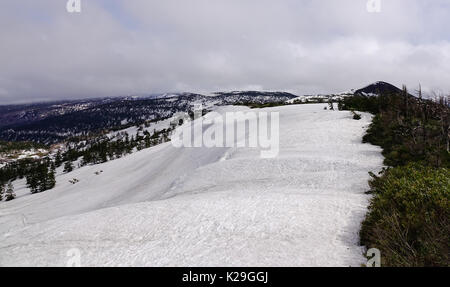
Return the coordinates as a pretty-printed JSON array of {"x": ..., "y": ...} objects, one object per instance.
[{"x": 40, "y": 173}]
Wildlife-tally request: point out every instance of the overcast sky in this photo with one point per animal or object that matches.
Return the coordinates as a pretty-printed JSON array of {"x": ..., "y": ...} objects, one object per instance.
[{"x": 116, "y": 47}]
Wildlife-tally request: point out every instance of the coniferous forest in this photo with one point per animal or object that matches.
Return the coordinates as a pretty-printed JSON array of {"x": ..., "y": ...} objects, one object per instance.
[{"x": 40, "y": 173}]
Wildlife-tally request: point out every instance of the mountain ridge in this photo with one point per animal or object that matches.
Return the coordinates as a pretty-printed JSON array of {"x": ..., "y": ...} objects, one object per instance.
[
  {"x": 53, "y": 122},
  {"x": 378, "y": 88}
]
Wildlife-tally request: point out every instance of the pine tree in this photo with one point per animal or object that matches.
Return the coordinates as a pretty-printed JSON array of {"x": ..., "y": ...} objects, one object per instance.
[
  {"x": 42, "y": 177},
  {"x": 58, "y": 159},
  {"x": 10, "y": 195},
  {"x": 68, "y": 167},
  {"x": 50, "y": 181},
  {"x": 32, "y": 183},
  {"x": 42, "y": 171},
  {"x": 406, "y": 100},
  {"x": 2, "y": 188}
]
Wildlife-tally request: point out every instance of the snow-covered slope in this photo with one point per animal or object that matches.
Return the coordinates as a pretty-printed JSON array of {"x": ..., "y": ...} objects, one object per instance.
[{"x": 206, "y": 207}]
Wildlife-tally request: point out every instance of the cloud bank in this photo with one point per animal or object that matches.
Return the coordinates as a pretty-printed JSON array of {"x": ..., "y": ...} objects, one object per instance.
[{"x": 116, "y": 47}]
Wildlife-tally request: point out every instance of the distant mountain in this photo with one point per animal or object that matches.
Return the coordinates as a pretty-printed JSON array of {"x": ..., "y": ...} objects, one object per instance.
[
  {"x": 256, "y": 94},
  {"x": 378, "y": 88},
  {"x": 13, "y": 115},
  {"x": 253, "y": 97},
  {"x": 50, "y": 123},
  {"x": 53, "y": 122},
  {"x": 375, "y": 89}
]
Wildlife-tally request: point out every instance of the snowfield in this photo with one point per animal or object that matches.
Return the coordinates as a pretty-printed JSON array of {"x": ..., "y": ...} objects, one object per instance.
[{"x": 168, "y": 206}]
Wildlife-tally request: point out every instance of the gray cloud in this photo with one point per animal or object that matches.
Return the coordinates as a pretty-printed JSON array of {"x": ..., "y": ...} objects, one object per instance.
[{"x": 127, "y": 47}]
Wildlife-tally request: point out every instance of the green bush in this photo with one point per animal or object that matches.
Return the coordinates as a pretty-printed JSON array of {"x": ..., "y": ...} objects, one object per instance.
[
  {"x": 409, "y": 129},
  {"x": 408, "y": 219}
]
